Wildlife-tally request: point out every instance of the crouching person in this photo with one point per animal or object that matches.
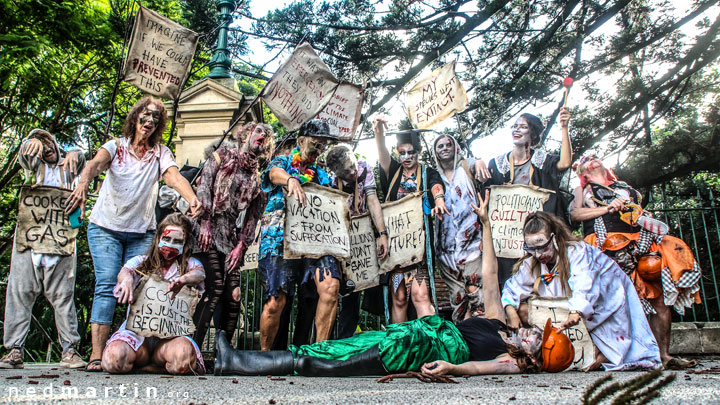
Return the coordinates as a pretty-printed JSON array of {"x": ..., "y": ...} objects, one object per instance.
[
  {"x": 33, "y": 273},
  {"x": 169, "y": 257}
]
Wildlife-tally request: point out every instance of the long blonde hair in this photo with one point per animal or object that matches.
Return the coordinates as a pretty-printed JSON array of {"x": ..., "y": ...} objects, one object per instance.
[
  {"x": 540, "y": 221},
  {"x": 153, "y": 261}
]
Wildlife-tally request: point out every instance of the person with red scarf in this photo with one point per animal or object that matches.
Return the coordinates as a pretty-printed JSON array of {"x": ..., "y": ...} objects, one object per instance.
[{"x": 662, "y": 267}]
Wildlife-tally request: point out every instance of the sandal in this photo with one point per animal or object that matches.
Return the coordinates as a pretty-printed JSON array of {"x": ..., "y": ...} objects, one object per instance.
[
  {"x": 92, "y": 366},
  {"x": 678, "y": 363}
]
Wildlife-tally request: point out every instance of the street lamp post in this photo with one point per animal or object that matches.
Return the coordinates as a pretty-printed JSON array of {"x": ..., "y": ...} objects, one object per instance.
[{"x": 220, "y": 64}]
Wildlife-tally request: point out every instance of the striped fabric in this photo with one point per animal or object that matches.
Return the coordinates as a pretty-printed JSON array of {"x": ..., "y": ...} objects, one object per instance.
[{"x": 679, "y": 294}]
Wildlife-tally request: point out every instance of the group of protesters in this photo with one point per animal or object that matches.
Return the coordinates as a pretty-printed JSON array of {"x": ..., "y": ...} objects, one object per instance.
[{"x": 621, "y": 280}]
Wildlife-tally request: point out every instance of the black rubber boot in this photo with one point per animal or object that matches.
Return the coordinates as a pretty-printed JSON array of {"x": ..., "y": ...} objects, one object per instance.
[
  {"x": 366, "y": 363},
  {"x": 229, "y": 361}
]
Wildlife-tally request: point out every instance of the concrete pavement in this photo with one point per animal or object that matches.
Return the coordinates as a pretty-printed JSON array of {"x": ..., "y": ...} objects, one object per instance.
[{"x": 63, "y": 386}]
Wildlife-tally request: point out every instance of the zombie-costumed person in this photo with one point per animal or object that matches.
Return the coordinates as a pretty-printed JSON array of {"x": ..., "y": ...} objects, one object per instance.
[
  {"x": 354, "y": 176},
  {"x": 122, "y": 222},
  {"x": 169, "y": 258},
  {"x": 229, "y": 191},
  {"x": 31, "y": 273},
  {"x": 558, "y": 264},
  {"x": 458, "y": 237},
  {"x": 428, "y": 344},
  {"x": 397, "y": 180},
  {"x": 662, "y": 267},
  {"x": 528, "y": 165},
  {"x": 279, "y": 275}
]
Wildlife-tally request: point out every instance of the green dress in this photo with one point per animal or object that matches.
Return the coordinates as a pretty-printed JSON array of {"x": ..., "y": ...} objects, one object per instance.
[{"x": 403, "y": 347}]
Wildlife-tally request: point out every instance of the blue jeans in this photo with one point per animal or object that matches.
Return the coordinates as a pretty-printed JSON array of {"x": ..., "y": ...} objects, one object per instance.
[{"x": 110, "y": 250}]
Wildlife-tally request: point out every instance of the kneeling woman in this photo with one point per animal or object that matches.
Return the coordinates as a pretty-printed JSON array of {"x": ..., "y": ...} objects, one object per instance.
[
  {"x": 169, "y": 257},
  {"x": 429, "y": 343},
  {"x": 558, "y": 264}
]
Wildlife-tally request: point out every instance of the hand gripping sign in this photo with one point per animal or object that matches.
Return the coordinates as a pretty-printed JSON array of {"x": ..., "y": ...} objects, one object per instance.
[
  {"x": 42, "y": 224},
  {"x": 155, "y": 313},
  {"x": 320, "y": 227}
]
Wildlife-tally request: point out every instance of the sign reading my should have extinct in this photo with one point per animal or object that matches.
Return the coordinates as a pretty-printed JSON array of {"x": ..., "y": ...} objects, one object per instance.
[
  {"x": 41, "y": 221},
  {"x": 320, "y": 227},
  {"x": 160, "y": 54},
  {"x": 508, "y": 208},
  {"x": 156, "y": 313},
  {"x": 406, "y": 232}
]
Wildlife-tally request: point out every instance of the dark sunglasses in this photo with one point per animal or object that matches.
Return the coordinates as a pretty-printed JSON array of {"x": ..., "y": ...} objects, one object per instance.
[{"x": 535, "y": 249}]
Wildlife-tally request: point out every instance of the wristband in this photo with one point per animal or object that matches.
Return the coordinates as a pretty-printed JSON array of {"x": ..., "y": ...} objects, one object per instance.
[
  {"x": 384, "y": 233},
  {"x": 440, "y": 196}
]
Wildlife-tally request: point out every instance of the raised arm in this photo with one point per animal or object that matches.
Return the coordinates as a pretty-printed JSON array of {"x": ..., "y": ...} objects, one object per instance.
[
  {"x": 566, "y": 148},
  {"x": 383, "y": 153},
  {"x": 490, "y": 288},
  {"x": 97, "y": 165}
]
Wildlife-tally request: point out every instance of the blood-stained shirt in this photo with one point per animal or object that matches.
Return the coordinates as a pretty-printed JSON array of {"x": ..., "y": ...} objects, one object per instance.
[{"x": 126, "y": 202}]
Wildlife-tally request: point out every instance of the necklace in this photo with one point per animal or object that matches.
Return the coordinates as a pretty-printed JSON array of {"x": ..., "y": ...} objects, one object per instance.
[{"x": 309, "y": 173}]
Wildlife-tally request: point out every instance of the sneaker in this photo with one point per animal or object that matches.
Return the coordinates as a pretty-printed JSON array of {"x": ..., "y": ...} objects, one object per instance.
[
  {"x": 14, "y": 359},
  {"x": 71, "y": 359}
]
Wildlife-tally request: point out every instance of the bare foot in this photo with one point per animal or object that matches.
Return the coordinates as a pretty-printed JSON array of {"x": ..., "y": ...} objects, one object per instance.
[
  {"x": 678, "y": 363},
  {"x": 599, "y": 360}
]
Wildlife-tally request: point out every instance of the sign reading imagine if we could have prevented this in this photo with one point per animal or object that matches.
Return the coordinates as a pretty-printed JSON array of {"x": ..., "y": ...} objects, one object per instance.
[{"x": 320, "y": 227}]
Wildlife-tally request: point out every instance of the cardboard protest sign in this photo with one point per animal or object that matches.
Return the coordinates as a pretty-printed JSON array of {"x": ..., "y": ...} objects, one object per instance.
[
  {"x": 556, "y": 308},
  {"x": 41, "y": 221},
  {"x": 300, "y": 88},
  {"x": 508, "y": 208},
  {"x": 160, "y": 54},
  {"x": 318, "y": 228},
  {"x": 154, "y": 313},
  {"x": 343, "y": 111},
  {"x": 406, "y": 232},
  {"x": 363, "y": 267},
  {"x": 252, "y": 254},
  {"x": 436, "y": 97}
]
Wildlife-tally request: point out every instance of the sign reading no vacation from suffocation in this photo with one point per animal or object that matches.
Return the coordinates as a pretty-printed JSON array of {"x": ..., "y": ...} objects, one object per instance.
[
  {"x": 406, "y": 232},
  {"x": 300, "y": 88},
  {"x": 320, "y": 227},
  {"x": 155, "y": 313},
  {"x": 509, "y": 206},
  {"x": 362, "y": 268},
  {"x": 342, "y": 112},
  {"x": 436, "y": 97},
  {"x": 41, "y": 221},
  {"x": 160, "y": 54}
]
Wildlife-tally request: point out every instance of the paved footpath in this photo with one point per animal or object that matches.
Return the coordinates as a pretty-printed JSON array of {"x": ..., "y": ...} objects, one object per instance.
[{"x": 24, "y": 386}]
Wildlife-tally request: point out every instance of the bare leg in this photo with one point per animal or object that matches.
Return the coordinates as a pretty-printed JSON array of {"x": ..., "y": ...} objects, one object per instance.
[
  {"x": 120, "y": 358},
  {"x": 599, "y": 360},
  {"x": 177, "y": 355},
  {"x": 327, "y": 304},
  {"x": 399, "y": 303},
  {"x": 270, "y": 320},
  {"x": 100, "y": 335},
  {"x": 660, "y": 324},
  {"x": 420, "y": 294},
  {"x": 471, "y": 289}
]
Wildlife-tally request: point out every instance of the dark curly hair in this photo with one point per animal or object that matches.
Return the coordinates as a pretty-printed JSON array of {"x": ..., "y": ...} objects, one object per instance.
[
  {"x": 132, "y": 119},
  {"x": 536, "y": 128}
]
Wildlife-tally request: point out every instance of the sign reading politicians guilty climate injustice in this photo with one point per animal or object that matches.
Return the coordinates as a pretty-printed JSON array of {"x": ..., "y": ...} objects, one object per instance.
[
  {"x": 509, "y": 206},
  {"x": 300, "y": 88},
  {"x": 362, "y": 268},
  {"x": 160, "y": 54},
  {"x": 406, "y": 232},
  {"x": 320, "y": 227},
  {"x": 156, "y": 313},
  {"x": 42, "y": 224}
]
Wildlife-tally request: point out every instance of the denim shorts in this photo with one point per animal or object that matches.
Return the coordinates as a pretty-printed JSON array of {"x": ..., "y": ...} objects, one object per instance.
[
  {"x": 281, "y": 275},
  {"x": 110, "y": 250}
]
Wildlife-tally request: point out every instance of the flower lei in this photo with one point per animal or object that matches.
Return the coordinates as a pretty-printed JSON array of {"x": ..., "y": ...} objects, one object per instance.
[{"x": 294, "y": 171}]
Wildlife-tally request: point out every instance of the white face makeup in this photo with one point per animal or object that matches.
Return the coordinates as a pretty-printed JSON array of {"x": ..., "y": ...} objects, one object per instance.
[
  {"x": 408, "y": 155},
  {"x": 541, "y": 246},
  {"x": 256, "y": 140},
  {"x": 148, "y": 121},
  {"x": 172, "y": 242},
  {"x": 445, "y": 149},
  {"x": 521, "y": 132}
]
